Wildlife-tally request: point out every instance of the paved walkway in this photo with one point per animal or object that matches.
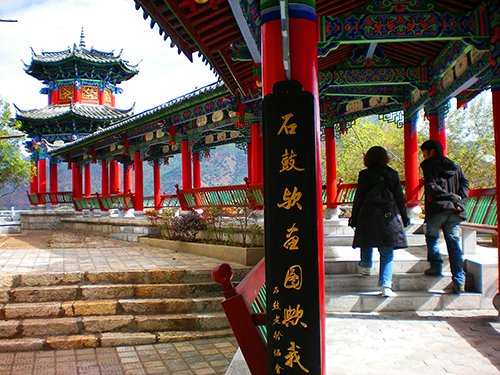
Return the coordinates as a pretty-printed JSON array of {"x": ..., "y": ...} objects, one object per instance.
[{"x": 456, "y": 342}]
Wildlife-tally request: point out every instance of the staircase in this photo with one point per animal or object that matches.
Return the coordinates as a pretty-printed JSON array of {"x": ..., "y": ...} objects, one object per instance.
[
  {"x": 348, "y": 292},
  {"x": 105, "y": 309}
]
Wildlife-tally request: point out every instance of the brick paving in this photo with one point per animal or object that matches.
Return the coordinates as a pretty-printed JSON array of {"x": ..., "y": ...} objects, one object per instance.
[
  {"x": 440, "y": 342},
  {"x": 199, "y": 357}
]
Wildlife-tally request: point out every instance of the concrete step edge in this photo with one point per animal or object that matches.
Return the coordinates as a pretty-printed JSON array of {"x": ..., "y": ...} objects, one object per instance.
[{"x": 98, "y": 340}]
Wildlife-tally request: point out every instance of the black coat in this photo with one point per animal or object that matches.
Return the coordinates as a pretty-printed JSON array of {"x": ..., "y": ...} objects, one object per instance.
[
  {"x": 446, "y": 188},
  {"x": 379, "y": 224}
]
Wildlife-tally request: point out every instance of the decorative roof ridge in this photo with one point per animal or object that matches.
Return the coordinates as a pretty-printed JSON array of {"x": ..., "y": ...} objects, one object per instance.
[{"x": 73, "y": 106}]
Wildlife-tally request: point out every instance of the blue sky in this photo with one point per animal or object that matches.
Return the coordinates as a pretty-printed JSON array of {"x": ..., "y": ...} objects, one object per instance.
[{"x": 109, "y": 25}]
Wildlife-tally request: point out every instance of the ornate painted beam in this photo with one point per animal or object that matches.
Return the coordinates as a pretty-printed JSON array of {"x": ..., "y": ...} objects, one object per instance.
[
  {"x": 401, "y": 90},
  {"x": 372, "y": 76},
  {"x": 399, "y": 27}
]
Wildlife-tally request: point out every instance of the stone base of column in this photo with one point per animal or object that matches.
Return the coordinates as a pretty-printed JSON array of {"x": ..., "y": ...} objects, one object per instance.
[
  {"x": 496, "y": 303},
  {"x": 332, "y": 213}
]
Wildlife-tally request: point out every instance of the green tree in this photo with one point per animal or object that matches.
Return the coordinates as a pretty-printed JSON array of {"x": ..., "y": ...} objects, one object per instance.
[
  {"x": 368, "y": 132},
  {"x": 471, "y": 140},
  {"x": 14, "y": 168}
]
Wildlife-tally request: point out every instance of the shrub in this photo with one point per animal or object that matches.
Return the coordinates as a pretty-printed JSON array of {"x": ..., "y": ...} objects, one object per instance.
[{"x": 186, "y": 226}]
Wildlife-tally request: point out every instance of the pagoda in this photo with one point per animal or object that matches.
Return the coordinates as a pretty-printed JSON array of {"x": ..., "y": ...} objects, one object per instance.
[{"x": 81, "y": 85}]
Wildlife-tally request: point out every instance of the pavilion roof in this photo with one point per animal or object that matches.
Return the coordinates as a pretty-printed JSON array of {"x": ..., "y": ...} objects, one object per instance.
[
  {"x": 79, "y": 62},
  {"x": 42, "y": 120},
  {"x": 226, "y": 33}
]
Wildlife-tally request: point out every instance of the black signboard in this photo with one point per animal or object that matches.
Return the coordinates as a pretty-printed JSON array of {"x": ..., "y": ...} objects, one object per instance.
[{"x": 291, "y": 231}]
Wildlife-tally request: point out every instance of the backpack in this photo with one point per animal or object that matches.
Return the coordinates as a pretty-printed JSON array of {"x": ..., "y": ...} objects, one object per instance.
[{"x": 379, "y": 194}]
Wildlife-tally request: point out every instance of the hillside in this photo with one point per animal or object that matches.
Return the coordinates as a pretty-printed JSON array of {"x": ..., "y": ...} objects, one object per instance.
[{"x": 227, "y": 165}]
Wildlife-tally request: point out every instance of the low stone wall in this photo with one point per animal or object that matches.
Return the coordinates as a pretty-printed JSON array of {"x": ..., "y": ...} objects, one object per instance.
[
  {"x": 120, "y": 228},
  {"x": 44, "y": 219},
  {"x": 248, "y": 256}
]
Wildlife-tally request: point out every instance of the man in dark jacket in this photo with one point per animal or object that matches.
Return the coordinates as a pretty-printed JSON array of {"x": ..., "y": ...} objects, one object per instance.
[{"x": 446, "y": 191}]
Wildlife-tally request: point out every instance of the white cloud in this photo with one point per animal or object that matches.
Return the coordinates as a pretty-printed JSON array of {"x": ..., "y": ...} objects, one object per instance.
[{"x": 109, "y": 25}]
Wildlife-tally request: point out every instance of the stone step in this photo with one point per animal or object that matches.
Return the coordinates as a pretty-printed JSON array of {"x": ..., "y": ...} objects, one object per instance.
[
  {"x": 92, "y": 325},
  {"x": 91, "y": 292},
  {"x": 412, "y": 266},
  {"x": 372, "y": 301},
  {"x": 400, "y": 281},
  {"x": 150, "y": 306},
  {"x": 153, "y": 276},
  {"x": 106, "y": 339},
  {"x": 346, "y": 240}
]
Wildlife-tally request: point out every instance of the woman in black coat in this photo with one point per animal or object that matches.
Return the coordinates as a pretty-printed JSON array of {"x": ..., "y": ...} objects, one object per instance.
[{"x": 379, "y": 216}]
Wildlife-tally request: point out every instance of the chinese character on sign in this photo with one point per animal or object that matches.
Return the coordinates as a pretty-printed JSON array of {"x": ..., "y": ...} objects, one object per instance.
[
  {"x": 292, "y": 316},
  {"x": 294, "y": 357},
  {"x": 293, "y": 278},
  {"x": 291, "y": 199},
  {"x": 292, "y": 241},
  {"x": 277, "y": 335},
  {"x": 286, "y": 127},
  {"x": 276, "y": 305},
  {"x": 288, "y": 161}
]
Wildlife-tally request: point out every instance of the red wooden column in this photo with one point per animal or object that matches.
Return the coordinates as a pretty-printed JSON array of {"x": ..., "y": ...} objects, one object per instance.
[
  {"x": 127, "y": 177},
  {"x": 411, "y": 161},
  {"x": 331, "y": 168},
  {"x": 437, "y": 127},
  {"x": 139, "y": 181},
  {"x": 54, "y": 185},
  {"x": 186, "y": 165},
  {"x": 303, "y": 31},
  {"x": 112, "y": 177},
  {"x": 87, "y": 179},
  {"x": 249, "y": 162},
  {"x": 104, "y": 178},
  {"x": 76, "y": 173},
  {"x": 257, "y": 158},
  {"x": 77, "y": 93},
  {"x": 495, "y": 89},
  {"x": 54, "y": 97},
  {"x": 156, "y": 184},
  {"x": 196, "y": 171},
  {"x": 42, "y": 175},
  {"x": 34, "y": 177}
]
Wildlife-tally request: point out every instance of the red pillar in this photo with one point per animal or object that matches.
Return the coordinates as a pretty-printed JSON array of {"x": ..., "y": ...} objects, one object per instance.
[
  {"x": 100, "y": 97},
  {"x": 495, "y": 89},
  {"x": 54, "y": 187},
  {"x": 304, "y": 69},
  {"x": 156, "y": 184},
  {"x": 139, "y": 181},
  {"x": 331, "y": 168},
  {"x": 76, "y": 173},
  {"x": 34, "y": 177},
  {"x": 112, "y": 177},
  {"x": 77, "y": 95},
  {"x": 257, "y": 161},
  {"x": 104, "y": 178},
  {"x": 54, "y": 97},
  {"x": 437, "y": 132},
  {"x": 42, "y": 175},
  {"x": 88, "y": 185},
  {"x": 411, "y": 161},
  {"x": 127, "y": 178},
  {"x": 186, "y": 165},
  {"x": 249, "y": 162},
  {"x": 196, "y": 171}
]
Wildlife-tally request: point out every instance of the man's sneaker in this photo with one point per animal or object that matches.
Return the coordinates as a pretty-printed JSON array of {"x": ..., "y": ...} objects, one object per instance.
[
  {"x": 432, "y": 272},
  {"x": 460, "y": 288},
  {"x": 387, "y": 292},
  {"x": 364, "y": 271}
]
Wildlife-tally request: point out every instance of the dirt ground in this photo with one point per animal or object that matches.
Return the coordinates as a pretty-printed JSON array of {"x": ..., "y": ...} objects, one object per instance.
[{"x": 54, "y": 240}]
